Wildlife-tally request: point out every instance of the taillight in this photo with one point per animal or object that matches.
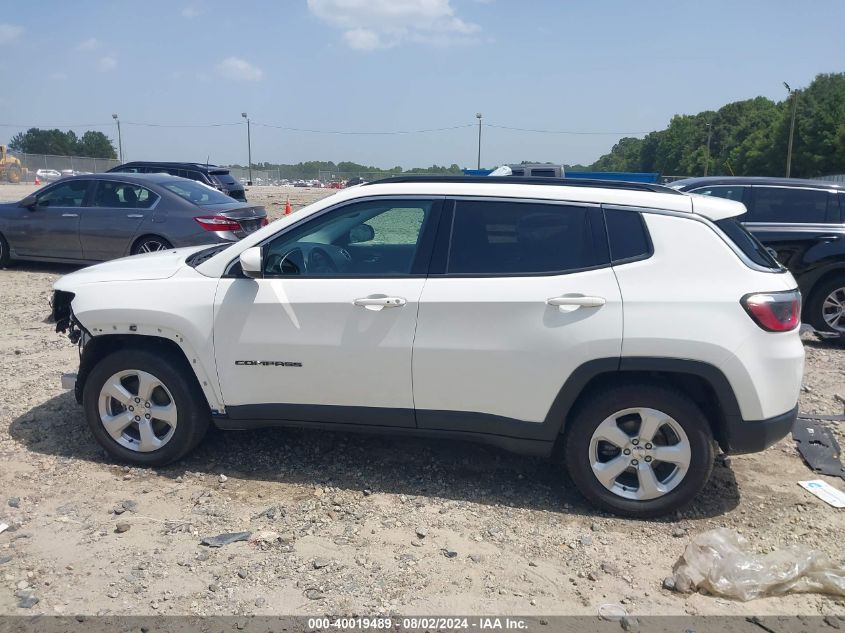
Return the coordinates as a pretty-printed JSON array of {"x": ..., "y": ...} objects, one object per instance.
[
  {"x": 264, "y": 221},
  {"x": 217, "y": 223},
  {"x": 774, "y": 311}
]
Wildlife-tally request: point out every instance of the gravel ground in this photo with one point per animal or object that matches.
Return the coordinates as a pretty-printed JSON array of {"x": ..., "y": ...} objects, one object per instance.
[{"x": 348, "y": 524}]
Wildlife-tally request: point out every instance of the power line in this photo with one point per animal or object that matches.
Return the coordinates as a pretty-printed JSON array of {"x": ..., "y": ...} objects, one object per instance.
[
  {"x": 363, "y": 133},
  {"x": 522, "y": 129}
]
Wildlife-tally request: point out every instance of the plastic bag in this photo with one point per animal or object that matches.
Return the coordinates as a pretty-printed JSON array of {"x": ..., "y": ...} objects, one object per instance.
[{"x": 719, "y": 562}]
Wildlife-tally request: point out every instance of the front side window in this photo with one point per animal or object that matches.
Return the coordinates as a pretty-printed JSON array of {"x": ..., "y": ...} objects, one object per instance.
[
  {"x": 733, "y": 192},
  {"x": 195, "y": 192},
  {"x": 66, "y": 194},
  {"x": 784, "y": 205},
  {"x": 365, "y": 239},
  {"x": 513, "y": 238},
  {"x": 123, "y": 196}
]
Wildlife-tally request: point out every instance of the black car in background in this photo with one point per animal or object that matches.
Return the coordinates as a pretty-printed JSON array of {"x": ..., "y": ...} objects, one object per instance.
[
  {"x": 212, "y": 175},
  {"x": 803, "y": 221}
]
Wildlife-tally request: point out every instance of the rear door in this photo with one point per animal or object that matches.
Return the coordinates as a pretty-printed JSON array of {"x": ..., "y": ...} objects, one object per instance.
[
  {"x": 111, "y": 222},
  {"x": 520, "y": 294},
  {"x": 51, "y": 227},
  {"x": 800, "y": 224}
]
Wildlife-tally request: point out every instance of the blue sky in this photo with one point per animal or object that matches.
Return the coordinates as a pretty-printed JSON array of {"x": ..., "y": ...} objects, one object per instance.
[{"x": 386, "y": 65}]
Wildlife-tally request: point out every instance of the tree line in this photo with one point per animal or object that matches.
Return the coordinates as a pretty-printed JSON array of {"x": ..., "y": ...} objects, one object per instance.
[
  {"x": 747, "y": 138},
  {"x": 57, "y": 143}
]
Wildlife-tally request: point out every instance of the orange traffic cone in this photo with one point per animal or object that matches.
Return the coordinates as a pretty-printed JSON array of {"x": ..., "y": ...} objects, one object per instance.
[
  {"x": 288, "y": 208},
  {"x": 37, "y": 181}
]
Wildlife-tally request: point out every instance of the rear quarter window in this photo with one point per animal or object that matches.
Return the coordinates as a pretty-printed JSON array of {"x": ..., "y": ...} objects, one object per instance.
[
  {"x": 750, "y": 246},
  {"x": 627, "y": 235}
]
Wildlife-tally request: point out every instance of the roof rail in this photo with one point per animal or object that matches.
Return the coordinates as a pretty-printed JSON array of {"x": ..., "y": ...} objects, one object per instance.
[{"x": 532, "y": 180}]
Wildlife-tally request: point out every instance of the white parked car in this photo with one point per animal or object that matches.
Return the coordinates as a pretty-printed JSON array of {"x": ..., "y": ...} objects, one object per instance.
[
  {"x": 48, "y": 175},
  {"x": 632, "y": 326}
]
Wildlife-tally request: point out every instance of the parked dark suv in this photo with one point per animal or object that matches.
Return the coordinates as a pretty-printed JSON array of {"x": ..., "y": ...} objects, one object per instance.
[
  {"x": 212, "y": 175},
  {"x": 803, "y": 221}
]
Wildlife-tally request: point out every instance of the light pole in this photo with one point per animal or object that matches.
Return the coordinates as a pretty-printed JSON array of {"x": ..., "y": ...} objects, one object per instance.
[
  {"x": 119, "y": 138},
  {"x": 248, "y": 148},
  {"x": 478, "y": 116},
  {"x": 794, "y": 95},
  {"x": 709, "y": 136}
]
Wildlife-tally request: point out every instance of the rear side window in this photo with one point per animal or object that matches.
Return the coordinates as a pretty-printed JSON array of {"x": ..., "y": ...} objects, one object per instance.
[
  {"x": 627, "y": 235},
  {"x": 781, "y": 204},
  {"x": 747, "y": 243},
  {"x": 513, "y": 238}
]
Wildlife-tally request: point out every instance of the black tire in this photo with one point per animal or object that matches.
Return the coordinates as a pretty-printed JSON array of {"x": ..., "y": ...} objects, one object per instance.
[
  {"x": 193, "y": 415},
  {"x": 146, "y": 244},
  {"x": 813, "y": 313},
  {"x": 5, "y": 256},
  {"x": 603, "y": 404}
]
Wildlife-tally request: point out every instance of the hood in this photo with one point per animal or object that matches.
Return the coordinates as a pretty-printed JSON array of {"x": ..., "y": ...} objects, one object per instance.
[{"x": 160, "y": 265}]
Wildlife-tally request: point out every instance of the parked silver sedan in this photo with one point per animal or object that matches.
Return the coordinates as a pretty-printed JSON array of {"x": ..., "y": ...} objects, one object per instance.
[{"x": 84, "y": 219}]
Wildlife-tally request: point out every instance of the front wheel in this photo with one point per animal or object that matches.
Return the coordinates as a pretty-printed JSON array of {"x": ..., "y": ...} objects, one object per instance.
[
  {"x": 639, "y": 450},
  {"x": 5, "y": 257},
  {"x": 144, "y": 408}
]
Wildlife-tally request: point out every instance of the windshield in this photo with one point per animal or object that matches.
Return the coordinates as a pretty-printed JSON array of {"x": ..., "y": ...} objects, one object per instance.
[{"x": 196, "y": 192}]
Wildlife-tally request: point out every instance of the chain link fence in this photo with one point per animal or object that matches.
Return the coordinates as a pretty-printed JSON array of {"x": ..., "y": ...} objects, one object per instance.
[{"x": 48, "y": 168}]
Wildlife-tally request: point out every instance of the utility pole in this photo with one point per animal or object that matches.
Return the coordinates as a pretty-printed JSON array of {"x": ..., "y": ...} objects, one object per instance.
[
  {"x": 794, "y": 96},
  {"x": 478, "y": 116},
  {"x": 248, "y": 148},
  {"x": 119, "y": 138},
  {"x": 709, "y": 137}
]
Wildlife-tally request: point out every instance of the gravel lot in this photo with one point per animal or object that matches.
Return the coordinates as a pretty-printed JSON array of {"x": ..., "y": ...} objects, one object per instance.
[{"x": 348, "y": 524}]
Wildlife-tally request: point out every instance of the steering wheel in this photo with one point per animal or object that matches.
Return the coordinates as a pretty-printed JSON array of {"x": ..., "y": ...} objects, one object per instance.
[
  {"x": 320, "y": 262},
  {"x": 284, "y": 263}
]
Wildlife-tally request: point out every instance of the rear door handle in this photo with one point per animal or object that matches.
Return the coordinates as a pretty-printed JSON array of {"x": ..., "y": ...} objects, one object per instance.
[
  {"x": 70, "y": 215},
  {"x": 379, "y": 302},
  {"x": 570, "y": 303},
  {"x": 827, "y": 238},
  {"x": 134, "y": 215}
]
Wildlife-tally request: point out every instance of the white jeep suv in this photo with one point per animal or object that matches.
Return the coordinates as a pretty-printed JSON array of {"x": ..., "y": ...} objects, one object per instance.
[{"x": 632, "y": 326}]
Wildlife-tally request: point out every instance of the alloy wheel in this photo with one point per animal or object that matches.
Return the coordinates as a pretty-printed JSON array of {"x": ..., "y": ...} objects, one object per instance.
[
  {"x": 151, "y": 246},
  {"x": 833, "y": 310},
  {"x": 137, "y": 410},
  {"x": 640, "y": 453}
]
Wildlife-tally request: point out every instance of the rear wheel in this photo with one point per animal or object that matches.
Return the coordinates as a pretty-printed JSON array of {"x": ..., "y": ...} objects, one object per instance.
[
  {"x": 639, "y": 450},
  {"x": 144, "y": 408},
  {"x": 826, "y": 308},
  {"x": 13, "y": 174},
  {"x": 5, "y": 257},
  {"x": 151, "y": 244}
]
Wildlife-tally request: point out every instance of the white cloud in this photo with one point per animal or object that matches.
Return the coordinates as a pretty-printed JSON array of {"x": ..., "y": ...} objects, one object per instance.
[
  {"x": 9, "y": 33},
  {"x": 92, "y": 43},
  {"x": 192, "y": 11},
  {"x": 372, "y": 24},
  {"x": 106, "y": 63},
  {"x": 237, "y": 69}
]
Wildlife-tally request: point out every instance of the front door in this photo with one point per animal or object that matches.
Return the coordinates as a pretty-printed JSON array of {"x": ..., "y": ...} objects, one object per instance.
[
  {"x": 50, "y": 229},
  {"x": 326, "y": 335},
  {"x": 110, "y": 223},
  {"x": 525, "y": 296}
]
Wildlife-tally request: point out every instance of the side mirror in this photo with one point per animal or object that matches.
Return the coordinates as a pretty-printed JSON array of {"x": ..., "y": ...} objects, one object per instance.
[
  {"x": 361, "y": 233},
  {"x": 252, "y": 260},
  {"x": 29, "y": 202}
]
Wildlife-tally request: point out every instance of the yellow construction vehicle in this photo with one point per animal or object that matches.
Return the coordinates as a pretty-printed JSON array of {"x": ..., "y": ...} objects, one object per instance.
[{"x": 10, "y": 167}]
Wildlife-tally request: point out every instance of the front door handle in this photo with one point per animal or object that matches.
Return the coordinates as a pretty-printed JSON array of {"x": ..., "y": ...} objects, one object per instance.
[
  {"x": 70, "y": 215},
  {"x": 379, "y": 302},
  {"x": 570, "y": 303},
  {"x": 134, "y": 215},
  {"x": 827, "y": 238}
]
